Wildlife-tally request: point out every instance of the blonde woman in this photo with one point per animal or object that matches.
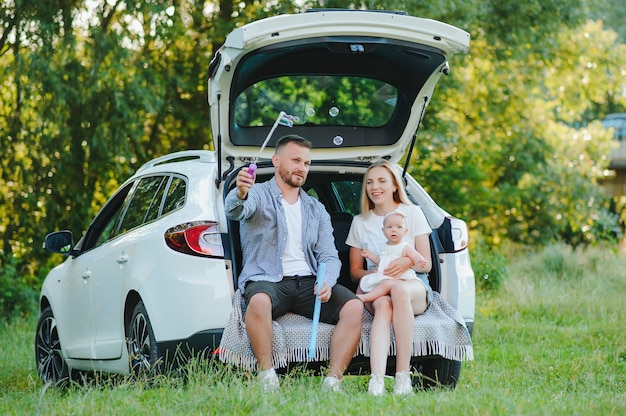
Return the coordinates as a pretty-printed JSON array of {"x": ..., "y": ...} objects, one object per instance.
[{"x": 383, "y": 193}]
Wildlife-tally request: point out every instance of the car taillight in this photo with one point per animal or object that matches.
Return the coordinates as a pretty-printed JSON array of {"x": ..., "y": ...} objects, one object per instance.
[
  {"x": 458, "y": 231},
  {"x": 196, "y": 238}
]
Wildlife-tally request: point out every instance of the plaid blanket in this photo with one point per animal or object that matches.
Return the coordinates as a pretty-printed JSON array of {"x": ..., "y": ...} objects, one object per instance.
[{"x": 438, "y": 331}]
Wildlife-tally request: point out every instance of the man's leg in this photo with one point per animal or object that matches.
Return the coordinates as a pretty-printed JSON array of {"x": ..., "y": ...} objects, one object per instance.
[
  {"x": 345, "y": 311},
  {"x": 259, "y": 328},
  {"x": 345, "y": 338}
]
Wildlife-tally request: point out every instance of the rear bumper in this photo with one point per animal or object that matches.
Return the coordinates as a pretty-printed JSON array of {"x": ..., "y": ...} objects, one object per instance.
[{"x": 203, "y": 344}]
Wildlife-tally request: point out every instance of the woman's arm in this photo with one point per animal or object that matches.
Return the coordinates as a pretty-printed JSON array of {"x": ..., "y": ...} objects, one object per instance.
[
  {"x": 422, "y": 245},
  {"x": 357, "y": 268}
]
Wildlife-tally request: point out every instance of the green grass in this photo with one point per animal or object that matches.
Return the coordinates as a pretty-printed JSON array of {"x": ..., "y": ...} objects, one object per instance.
[{"x": 550, "y": 340}]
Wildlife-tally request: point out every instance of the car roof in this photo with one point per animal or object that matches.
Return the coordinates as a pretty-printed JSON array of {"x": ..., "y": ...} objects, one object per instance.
[{"x": 375, "y": 70}]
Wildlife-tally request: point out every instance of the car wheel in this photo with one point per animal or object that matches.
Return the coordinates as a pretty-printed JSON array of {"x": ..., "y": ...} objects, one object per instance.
[
  {"x": 143, "y": 351},
  {"x": 437, "y": 372},
  {"x": 51, "y": 366}
]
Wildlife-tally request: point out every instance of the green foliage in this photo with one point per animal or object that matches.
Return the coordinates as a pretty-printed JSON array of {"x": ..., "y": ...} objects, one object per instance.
[
  {"x": 562, "y": 262},
  {"x": 17, "y": 293},
  {"x": 90, "y": 91},
  {"x": 511, "y": 145},
  {"x": 613, "y": 14},
  {"x": 490, "y": 265}
]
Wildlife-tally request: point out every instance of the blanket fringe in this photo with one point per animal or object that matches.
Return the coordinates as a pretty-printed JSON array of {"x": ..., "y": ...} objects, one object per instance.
[{"x": 425, "y": 348}]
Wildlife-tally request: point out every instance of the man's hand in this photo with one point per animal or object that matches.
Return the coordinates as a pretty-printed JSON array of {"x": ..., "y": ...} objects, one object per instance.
[
  {"x": 324, "y": 294},
  {"x": 244, "y": 183}
]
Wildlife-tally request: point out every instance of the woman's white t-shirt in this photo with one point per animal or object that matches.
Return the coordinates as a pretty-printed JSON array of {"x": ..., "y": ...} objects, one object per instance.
[{"x": 367, "y": 232}]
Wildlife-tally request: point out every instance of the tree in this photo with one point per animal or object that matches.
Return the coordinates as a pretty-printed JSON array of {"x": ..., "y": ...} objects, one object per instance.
[
  {"x": 613, "y": 14},
  {"x": 509, "y": 141},
  {"x": 90, "y": 91}
]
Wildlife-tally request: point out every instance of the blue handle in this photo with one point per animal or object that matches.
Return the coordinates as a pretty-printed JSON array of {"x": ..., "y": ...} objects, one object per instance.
[{"x": 316, "y": 310}]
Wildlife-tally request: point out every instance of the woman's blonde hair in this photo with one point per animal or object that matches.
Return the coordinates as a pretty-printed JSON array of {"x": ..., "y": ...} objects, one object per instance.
[{"x": 399, "y": 195}]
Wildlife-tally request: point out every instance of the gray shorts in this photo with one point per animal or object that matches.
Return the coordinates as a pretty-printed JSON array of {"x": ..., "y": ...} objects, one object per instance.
[
  {"x": 423, "y": 277},
  {"x": 295, "y": 294}
]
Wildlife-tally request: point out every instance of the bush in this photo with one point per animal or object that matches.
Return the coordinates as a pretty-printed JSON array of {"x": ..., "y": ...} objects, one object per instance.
[
  {"x": 17, "y": 295},
  {"x": 568, "y": 263},
  {"x": 489, "y": 264}
]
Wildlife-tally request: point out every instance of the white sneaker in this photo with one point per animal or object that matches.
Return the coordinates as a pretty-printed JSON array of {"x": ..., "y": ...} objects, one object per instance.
[
  {"x": 331, "y": 383},
  {"x": 376, "y": 386},
  {"x": 269, "y": 380},
  {"x": 403, "y": 384}
]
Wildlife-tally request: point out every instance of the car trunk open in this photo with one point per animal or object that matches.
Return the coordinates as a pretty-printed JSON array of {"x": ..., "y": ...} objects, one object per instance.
[{"x": 354, "y": 83}]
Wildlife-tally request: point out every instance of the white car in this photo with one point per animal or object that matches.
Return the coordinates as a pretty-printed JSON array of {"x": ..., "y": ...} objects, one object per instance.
[{"x": 152, "y": 279}]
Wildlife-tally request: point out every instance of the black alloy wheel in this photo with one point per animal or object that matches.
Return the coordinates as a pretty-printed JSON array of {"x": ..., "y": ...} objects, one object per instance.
[
  {"x": 143, "y": 351},
  {"x": 51, "y": 366}
]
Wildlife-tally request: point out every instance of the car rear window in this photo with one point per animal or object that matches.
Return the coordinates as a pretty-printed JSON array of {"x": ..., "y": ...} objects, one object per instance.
[{"x": 320, "y": 100}]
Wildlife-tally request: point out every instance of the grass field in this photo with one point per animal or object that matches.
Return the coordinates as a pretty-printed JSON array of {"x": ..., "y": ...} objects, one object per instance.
[{"x": 550, "y": 340}]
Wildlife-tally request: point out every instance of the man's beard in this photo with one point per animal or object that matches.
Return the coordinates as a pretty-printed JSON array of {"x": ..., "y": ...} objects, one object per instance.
[{"x": 290, "y": 179}]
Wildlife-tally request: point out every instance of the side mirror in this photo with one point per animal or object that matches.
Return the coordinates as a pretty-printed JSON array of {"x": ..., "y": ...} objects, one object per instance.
[{"x": 61, "y": 242}]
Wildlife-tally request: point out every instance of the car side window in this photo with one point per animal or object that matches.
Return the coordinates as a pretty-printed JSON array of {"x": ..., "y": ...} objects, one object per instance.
[
  {"x": 313, "y": 192},
  {"x": 145, "y": 195},
  {"x": 155, "y": 205},
  {"x": 337, "y": 194},
  {"x": 104, "y": 224},
  {"x": 348, "y": 194},
  {"x": 108, "y": 229},
  {"x": 139, "y": 204},
  {"x": 175, "y": 195}
]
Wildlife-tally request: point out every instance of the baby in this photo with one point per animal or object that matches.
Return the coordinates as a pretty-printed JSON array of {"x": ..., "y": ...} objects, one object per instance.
[{"x": 375, "y": 285}]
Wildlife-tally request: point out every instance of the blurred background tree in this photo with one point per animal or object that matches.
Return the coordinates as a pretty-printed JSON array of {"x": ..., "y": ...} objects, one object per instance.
[
  {"x": 93, "y": 89},
  {"x": 513, "y": 142}
]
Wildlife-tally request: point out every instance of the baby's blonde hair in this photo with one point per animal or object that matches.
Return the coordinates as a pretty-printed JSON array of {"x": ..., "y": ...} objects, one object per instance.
[{"x": 398, "y": 213}]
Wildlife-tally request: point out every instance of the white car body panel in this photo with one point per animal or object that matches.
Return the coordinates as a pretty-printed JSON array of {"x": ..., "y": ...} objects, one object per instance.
[{"x": 74, "y": 320}]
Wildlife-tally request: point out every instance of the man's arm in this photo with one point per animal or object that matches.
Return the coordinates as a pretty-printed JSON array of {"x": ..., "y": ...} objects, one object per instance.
[
  {"x": 234, "y": 204},
  {"x": 325, "y": 250}
]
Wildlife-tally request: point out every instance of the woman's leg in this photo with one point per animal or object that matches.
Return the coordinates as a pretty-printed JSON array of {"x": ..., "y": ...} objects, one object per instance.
[
  {"x": 380, "y": 336},
  {"x": 408, "y": 299}
]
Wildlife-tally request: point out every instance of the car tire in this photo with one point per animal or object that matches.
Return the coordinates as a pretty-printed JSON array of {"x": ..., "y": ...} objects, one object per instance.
[
  {"x": 144, "y": 355},
  {"x": 437, "y": 372},
  {"x": 51, "y": 365}
]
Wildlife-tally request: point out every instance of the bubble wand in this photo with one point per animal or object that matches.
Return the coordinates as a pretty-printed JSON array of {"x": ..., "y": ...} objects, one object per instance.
[
  {"x": 316, "y": 310},
  {"x": 283, "y": 119}
]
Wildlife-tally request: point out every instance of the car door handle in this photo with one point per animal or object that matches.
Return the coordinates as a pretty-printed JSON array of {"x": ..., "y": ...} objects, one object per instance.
[
  {"x": 86, "y": 274},
  {"x": 122, "y": 259}
]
